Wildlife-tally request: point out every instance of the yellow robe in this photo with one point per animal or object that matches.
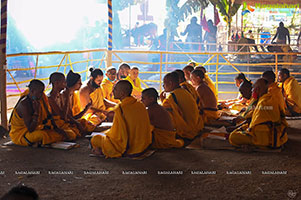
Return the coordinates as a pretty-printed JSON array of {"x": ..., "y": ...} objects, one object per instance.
[
  {"x": 164, "y": 139},
  {"x": 267, "y": 128},
  {"x": 107, "y": 88},
  {"x": 97, "y": 102},
  {"x": 293, "y": 91},
  {"x": 237, "y": 105},
  {"x": 44, "y": 132},
  {"x": 130, "y": 134},
  {"x": 187, "y": 86},
  {"x": 211, "y": 85},
  {"x": 137, "y": 89},
  {"x": 210, "y": 115},
  {"x": 277, "y": 94},
  {"x": 76, "y": 109},
  {"x": 250, "y": 109},
  {"x": 184, "y": 113}
]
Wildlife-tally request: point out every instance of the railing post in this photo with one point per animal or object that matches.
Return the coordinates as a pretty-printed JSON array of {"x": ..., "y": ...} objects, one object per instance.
[
  {"x": 70, "y": 63},
  {"x": 161, "y": 58},
  {"x": 110, "y": 34},
  {"x": 3, "y": 63},
  {"x": 36, "y": 68},
  {"x": 3, "y": 96},
  {"x": 66, "y": 61},
  {"x": 109, "y": 59},
  {"x": 216, "y": 72},
  {"x": 87, "y": 67},
  {"x": 276, "y": 65}
]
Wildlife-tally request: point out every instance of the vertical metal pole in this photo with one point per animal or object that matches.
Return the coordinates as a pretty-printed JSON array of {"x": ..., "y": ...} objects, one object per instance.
[
  {"x": 36, "y": 68},
  {"x": 167, "y": 48},
  {"x": 130, "y": 24},
  {"x": 161, "y": 58},
  {"x": 216, "y": 72},
  {"x": 276, "y": 66},
  {"x": 110, "y": 34},
  {"x": 3, "y": 63},
  {"x": 242, "y": 23}
]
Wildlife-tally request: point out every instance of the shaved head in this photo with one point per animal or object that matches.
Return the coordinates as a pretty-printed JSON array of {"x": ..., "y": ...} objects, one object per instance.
[
  {"x": 173, "y": 77},
  {"x": 262, "y": 82},
  {"x": 285, "y": 71},
  {"x": 181, "y": 75},
  {"x": 269, "y": 76},
  {"x": 124, "y": 86},
  {"x": 188, "y": 68},
  {"x": 260, "y": 87},
  {"x": 36, "y": 84},
  {"x": 21, "y": 193},
  {"x": 151, "y": 92},
  {"x": 171, "y": 81},
  {"x": 56, "y": 76},
  {"x": 198, "y": 73},
  {"x": 203, "y": 69}
]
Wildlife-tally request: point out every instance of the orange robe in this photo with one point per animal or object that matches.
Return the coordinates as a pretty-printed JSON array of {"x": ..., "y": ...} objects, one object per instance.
[
  {"x": 187, "y": 86},
  {"x": 164, "y": 139},
  {"x": 211, "y": 85},
  {"x": 184, "y": 113},
  {"x": 276, "y": 92},
  {"x": 292, "y": 90},
  {"x": 107, "y": 88},
  {"x": 43, "y": 133},
  {"x": 97, "y": 102},
  {"x": 267, "y": 128},
  {"x": 137, "y": 89},
  {"x": 130, "y": 134},
  {"x": 76, "y": 109}
]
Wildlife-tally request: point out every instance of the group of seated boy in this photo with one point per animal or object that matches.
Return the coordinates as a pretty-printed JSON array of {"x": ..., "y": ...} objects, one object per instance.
[{"x": 143, "y": 119}]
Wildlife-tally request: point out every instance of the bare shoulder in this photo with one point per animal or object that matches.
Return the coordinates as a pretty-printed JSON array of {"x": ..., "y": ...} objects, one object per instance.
[
  {"x": 23, "y": 106},
  {"x": 204, "y": 87},
  {"x": 161, "y": 111},
  {"x": 84, "y": 90}
]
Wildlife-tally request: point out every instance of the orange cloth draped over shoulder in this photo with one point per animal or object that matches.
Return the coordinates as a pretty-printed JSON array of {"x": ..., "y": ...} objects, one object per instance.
[
  {"x": 130, "y": 134},
  {"x": 184, "y": 113},
  {"x": 137, "y": 89},
  {"x": 164, "y": 139},
  {"x": 97, "y": 102},
  {"x": 211, "y": 85},
  {"x": 107, "y": 88},
  {"x": 187, "y": 86},
  {"x": 277, "y": 94},
  {"x": 267, "y": 128},
  {"x": 292, "y": 90},
  {"x": 76, "y": 109},
  {"x": 210, "y": 115},
  {"x": 44, "y": 132}
]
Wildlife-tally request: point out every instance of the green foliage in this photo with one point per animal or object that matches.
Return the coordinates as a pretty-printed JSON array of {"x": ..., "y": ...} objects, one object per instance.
[
  {"x": 191, "y": 6},
  {"x": 226, "y": 10}
]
